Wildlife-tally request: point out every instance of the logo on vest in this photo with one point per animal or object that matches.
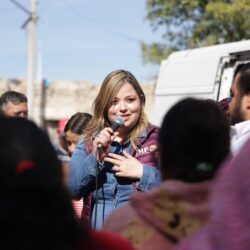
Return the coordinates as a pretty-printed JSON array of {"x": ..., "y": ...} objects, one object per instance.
[{"x": 146, "y": 150}]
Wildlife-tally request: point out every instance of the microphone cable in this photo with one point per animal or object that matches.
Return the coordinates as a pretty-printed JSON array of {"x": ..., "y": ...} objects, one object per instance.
[
  {"x": 118, "y": 122},
  {"x": 97, "y": 169}
]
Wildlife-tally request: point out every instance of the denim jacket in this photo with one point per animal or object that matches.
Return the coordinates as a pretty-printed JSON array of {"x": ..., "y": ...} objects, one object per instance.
[{"x": 114, "y": 191}]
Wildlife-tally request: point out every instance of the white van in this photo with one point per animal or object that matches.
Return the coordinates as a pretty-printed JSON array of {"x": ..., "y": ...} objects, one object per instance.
[{"x": 203, "y": 73}]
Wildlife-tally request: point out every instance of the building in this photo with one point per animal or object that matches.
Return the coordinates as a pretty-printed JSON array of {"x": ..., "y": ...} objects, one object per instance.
[{"x": 62, "y": 98}]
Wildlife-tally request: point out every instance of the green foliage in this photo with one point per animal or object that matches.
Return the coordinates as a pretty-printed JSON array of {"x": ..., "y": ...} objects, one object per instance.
[
  {"x": 154, "y": 52},
  {"x": 195, "y": 23}
]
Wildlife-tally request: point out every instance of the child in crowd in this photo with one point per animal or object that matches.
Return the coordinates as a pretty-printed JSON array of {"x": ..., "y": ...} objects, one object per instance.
[{"x": 74, "y": 130}]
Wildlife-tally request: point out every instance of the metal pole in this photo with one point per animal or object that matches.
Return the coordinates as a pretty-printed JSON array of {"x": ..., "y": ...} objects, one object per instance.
[
  {"x": 31, "y": 59},
  {"x": 39, "y": 89}
]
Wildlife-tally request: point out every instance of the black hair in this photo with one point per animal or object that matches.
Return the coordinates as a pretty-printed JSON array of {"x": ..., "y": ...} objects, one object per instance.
[
  {"x": 12, "y": 96},
  {"x": 77, "y": 123},
  {"x": 35, "y": 208},
  {"x": 194, "y": 140}
]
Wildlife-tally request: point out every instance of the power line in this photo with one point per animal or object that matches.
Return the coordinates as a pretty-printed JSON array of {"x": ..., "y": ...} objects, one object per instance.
[
  {"x": 99, "y": 26},
  {"x": 21, "y": 7}
]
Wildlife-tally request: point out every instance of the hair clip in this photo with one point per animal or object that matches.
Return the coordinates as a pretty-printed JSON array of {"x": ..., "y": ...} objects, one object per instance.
[
  {"x": 204, "y": 166},
  {"x": 22, "y": 166}
]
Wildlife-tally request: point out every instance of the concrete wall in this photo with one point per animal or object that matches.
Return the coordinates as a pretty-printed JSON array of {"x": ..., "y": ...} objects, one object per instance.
[{"x": 62, "y": 98}]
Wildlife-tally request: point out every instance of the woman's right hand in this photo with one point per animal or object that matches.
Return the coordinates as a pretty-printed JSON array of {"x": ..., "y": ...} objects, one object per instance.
[{"x": 104, "y": 138}]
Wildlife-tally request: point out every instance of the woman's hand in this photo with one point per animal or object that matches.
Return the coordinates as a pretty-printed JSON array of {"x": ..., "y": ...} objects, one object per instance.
[
  {"x": 126, "y": 165},
  {"x": 104, "y": 138}
]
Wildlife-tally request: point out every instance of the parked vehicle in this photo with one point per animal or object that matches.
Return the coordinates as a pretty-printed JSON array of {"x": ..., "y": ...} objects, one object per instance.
[{"x": 203, "y": 73}]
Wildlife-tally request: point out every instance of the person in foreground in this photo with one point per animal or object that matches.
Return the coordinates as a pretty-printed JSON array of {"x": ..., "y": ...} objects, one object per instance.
[
  {"x": 193, "y": 141},
  {"x": 35, "y": 206},
  {"x": 229, "y": 223},
  {"x": 127, "y": 158}
]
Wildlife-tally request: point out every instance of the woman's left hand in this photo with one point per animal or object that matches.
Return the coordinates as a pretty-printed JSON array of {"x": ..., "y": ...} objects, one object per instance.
[{"x": 126, "y": 165}]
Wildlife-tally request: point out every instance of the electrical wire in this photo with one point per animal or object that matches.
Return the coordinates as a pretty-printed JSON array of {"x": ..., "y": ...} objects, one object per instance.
[
  {"x": 99, "y": 26},
  {"x": 21, "y": 7}
]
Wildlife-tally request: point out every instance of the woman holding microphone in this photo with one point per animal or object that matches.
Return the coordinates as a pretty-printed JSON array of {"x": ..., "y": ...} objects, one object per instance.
[{"x": 110, "y": 165}]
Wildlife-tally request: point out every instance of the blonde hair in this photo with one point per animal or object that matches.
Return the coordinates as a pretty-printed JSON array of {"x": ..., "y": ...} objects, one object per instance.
[{"x": 109, "y": 89}]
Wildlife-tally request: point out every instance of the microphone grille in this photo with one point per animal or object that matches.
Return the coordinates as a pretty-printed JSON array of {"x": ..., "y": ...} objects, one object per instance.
[{"x": 119, "y": 120}]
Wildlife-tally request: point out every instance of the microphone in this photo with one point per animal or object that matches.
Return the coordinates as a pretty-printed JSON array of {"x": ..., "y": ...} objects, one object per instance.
[{"x": 118, "y": 122}]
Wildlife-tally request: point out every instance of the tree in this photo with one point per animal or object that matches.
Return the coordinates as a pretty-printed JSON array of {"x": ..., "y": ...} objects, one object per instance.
[{"x": 195, "y": 23}]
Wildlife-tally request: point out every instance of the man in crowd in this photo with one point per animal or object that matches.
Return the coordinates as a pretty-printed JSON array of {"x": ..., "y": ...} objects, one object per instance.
[
  {"x": 14, "y": 104},
  {"x": 239, "y": 107}
]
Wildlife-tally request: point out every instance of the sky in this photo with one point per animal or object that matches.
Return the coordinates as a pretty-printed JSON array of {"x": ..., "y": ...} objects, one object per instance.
[{"x": 77, "y": 39}]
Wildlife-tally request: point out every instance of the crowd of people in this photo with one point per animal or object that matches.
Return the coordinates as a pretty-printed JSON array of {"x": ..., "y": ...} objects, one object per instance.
[{"x": 113, "y": 180}]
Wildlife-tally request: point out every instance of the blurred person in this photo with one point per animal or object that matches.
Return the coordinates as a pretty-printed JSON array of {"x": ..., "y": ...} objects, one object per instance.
[
  {"x": 229, "y": 203},
  {"x": 14, "y": 104},
  {"x": 35, "y": 206},
  {"x": 239, "y": 107},
  {"x": 224, "y": 105},
  {"x": 127, "y": 159},
  {"x": 74, "y": 130},
  {"x": 194, "y": 141},
  {"x": 60, "y": 143}
]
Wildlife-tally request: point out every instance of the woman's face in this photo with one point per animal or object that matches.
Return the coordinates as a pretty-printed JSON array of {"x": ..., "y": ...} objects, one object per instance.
[
  {"x": 72, "y": 140},
  {"x": 126, "y": 104}
]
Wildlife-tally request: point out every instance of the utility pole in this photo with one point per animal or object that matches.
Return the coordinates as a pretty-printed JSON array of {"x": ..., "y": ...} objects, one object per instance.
[
  {"x": 31, "y": 21},
  {"x": 31, "y": 58}
]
